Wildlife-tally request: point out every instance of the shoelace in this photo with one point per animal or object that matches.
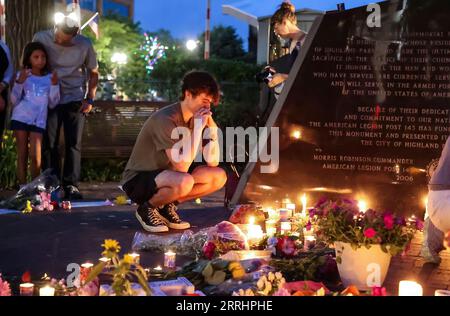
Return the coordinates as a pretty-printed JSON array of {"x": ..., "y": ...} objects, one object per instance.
[
  {"x": 171, "y": 209},
  {"x": 154, "y": 217}
]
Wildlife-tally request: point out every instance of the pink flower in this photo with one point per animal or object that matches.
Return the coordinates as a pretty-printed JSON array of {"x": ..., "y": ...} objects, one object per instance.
[
  {"x": 286, "y": 247},
  {"x": 308, "y": 226},
  {"x": 5, "y": 289},
  {"x": 282, "y": 292},
  {"x": 209, "y": 250},
  {"x": 370, "y": 233},
  {"x": 378, "y": 291},
  {"x": 388, "y": 221}
]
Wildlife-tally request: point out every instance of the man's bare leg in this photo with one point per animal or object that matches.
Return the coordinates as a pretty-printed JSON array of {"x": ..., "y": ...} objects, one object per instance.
[
  {"x": 206, "y": 181},
  {"x": 171, "y": 186}
]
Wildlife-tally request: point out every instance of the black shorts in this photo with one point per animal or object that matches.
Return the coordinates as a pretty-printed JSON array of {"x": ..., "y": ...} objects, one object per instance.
[
  {"x": 142, "y": 187},
  {"x": 20, "y": 126}
]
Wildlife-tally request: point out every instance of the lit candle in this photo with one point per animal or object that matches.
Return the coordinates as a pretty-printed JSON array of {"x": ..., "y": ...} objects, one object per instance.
[
  {"x": 304, "y": 203},
  {"x": 285, "y": 214},
  {"x": 285, "y": 202},
  {"x": 158, "y": 269},
  {"x": 86, "y": 269},
  {"x": 26, "y": 289},
  {"x": 47, "y": 291},
  {"x": 409, "y": 288},
  {"x": 104, "y": 260},
  {"x": 270, "y": 223},
  {"x": 273, "y": 214},
  {"x": 254, "y": 232},
  {"x": 310, "y": 242},
  {"x": 291, "y": 206},
  {"x": 169, "y": 259},
  {"x": 271, "y": 231},
  {"x": 442, "y": 293},
  {"x": 362, "y": 205},
  {"x": 136, "y": 257},
  {"x": 285, "y": 227}
]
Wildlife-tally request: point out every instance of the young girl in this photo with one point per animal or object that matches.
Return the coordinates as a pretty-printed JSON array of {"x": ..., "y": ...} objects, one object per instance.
[{"x": 35, "y": 90}]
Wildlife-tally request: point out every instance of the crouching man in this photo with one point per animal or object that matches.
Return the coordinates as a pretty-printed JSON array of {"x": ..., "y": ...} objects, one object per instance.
[{"x": 157, "y": 175}]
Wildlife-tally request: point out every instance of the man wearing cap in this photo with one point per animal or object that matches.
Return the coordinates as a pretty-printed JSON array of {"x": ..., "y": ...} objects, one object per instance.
[{"x": 73, "y": 57}]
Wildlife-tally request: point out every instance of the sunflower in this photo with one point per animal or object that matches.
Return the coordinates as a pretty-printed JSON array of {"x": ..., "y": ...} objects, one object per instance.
[
  {"x": 128, "y": 259},
  {"x": 111, "y": 246}
]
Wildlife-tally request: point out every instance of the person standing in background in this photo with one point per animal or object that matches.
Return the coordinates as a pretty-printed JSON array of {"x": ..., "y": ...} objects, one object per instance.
[
  {"x": 73, "y": 57},
  {"x": 6, "y": 75}
]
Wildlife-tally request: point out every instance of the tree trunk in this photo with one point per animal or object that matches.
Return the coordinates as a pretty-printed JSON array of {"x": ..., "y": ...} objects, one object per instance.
[{"x": 23, "y": 19}]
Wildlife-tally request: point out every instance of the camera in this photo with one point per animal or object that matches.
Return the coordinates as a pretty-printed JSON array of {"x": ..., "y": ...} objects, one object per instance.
[{"x": 266, "y": 75}]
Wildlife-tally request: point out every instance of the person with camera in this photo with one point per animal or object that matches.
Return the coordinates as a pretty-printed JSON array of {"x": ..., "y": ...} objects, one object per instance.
[
  {"x": 73, "y": 57},
  {"x": 284, "y": 24}
]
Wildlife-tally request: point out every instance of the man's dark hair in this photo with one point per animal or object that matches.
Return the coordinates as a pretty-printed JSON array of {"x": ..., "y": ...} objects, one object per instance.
[
  {"x": 197, "y": 82},
  {"x": 28, "y": 51}
]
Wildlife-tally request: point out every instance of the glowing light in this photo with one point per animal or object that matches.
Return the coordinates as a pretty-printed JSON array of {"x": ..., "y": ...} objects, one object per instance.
[
  {"x": 362, "y": 205},
  {"x": 409, "y": 288},
  {"x": 119, "y": 58},
  {"x": 251, "y": 220},
  {"x": 425, "y": 201},
  {"x": 296, "y": 134},
  {"x": 152, "y": 51},
  {"x": 304, "y": 202},
  {"x": 191, "y": 45},
  {"x": 59, "y": 17}
]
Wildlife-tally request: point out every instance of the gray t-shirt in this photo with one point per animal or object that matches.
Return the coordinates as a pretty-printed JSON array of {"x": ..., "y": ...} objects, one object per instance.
[
  {"x": 149, "y": 151},
  {"x": 440, "y": 180},
  {"x": 71, "y": 63}
]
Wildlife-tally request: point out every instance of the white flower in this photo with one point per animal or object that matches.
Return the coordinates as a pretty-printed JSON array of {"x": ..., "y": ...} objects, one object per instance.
[
  {"x": 320, "y": 292},
  {"x": 268, "y": 287},
  {"x": 278, "y": 275},
  {"x": 260, "y": 284},
  {"x": 271, "y": 276}
]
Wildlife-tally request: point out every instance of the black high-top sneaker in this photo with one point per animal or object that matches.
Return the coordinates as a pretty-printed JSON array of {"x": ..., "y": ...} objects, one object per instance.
[
  {"x": 170, "y": 217},
  {"x": 150, "y": 219}
]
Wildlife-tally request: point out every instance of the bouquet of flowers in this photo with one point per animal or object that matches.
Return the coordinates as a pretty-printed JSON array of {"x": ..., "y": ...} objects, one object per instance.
[
  {"x": 342, "y": 221},
  {"x": 243, "y": 212},
  {"x": 223, "y": 238},
  {"x": 36, "y": 195}
]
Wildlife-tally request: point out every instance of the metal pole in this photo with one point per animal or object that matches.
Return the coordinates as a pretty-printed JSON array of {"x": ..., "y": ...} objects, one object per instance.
[
  {"x": 208, "y": 30},
  {"x": 2, "y": 21}
]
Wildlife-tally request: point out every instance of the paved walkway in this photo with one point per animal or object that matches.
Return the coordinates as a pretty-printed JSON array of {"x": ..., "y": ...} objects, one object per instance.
[{"x": 47, "y": 243}]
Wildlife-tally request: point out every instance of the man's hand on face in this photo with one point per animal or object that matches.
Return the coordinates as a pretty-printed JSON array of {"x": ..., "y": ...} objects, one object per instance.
[{"x": 205, "y": 115}]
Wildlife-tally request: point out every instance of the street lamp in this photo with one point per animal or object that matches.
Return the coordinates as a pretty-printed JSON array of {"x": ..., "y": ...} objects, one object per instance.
[
  {"x": 191, "y": 45},
  {"x": 119, "y": 58}
]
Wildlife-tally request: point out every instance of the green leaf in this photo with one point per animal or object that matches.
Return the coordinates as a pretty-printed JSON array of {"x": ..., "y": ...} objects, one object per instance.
[
  {"x": 95, "y": 272},
  {"x": 217, "y": 278},
  {"x": 208, "y": 271}
]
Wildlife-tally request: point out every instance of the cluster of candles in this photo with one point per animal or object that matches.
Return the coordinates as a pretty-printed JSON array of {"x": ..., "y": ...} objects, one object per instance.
[
  {"x": 27, "y": 289},
  {"x": 280, "y": 220}
]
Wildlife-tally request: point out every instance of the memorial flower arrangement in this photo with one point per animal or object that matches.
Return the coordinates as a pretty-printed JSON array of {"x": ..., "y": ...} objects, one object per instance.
[
  {"x": 271, "y": 284},
  {"x": 122, "y": 270},
  {"x": 342, "y": 221}
]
